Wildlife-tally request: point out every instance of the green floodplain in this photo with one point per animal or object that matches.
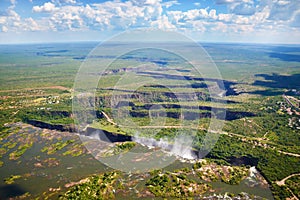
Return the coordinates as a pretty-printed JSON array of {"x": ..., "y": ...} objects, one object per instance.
[{"x": 256, "y": 154}]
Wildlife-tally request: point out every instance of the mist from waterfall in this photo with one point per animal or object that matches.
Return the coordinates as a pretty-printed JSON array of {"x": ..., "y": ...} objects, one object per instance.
[
  {"x": 181, "y": 146},
  {"x": 94, "y": 135}
]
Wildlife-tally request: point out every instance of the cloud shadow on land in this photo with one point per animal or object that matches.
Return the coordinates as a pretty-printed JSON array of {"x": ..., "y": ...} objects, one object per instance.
[
  {"x": 11, "y": 191},
  {"x": 275, "y": 84},
  {"x": 268, "y": 92},
  {"x": 285, "y": 57},
  {"x": 277, "y": 81},
  {"x": 227, "y": 84},
  {"x": 285, "y": 53},
  {"x": 188, "y": 113}
]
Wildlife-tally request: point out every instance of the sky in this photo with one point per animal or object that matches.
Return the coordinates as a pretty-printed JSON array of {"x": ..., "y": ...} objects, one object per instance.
[{"x": 247, "y": 21}]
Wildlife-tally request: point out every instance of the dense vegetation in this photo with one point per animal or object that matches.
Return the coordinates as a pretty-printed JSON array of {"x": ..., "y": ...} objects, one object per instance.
[
  {"x": 95, "y": 187},
  {"x": 293, "y": 184},
  {"x": 175, "y": 185}
]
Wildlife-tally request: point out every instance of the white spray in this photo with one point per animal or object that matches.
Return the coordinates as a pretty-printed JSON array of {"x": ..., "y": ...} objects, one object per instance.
[
  {"x": 253, "y": 172},
  {"x": 94, "y": 135},
  {"x": 182, "y": 146}
]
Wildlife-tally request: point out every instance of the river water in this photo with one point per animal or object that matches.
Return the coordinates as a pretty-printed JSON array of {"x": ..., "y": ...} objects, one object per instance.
[{"x": 37, "y": 175}]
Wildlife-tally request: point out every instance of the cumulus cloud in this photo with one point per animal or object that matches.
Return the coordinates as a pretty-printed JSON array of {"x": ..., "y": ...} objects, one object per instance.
[
  {"x": 163, "y": 23},
  {"x": 295, "y": 21},
  {"x": 47, "y": 7},
  {"x": 243, "y": 16},
  {"x": 31, "y": 25},
  {"x": 196, "y": 14},
  {"x": 169, "y": 4},
  {"x": 107, "y": 15},
  {"x": 225, "y": 17},
  {"x": 13, "y": 2},
  {"x": 197, "y": 4},
  {"x": 151, "y": 2},
  {"x": 282, "y": 2},
  {"x": 243, "y": 9},
  {"x": 64, "y": 1},
  {"x": 213, "y": 14},
  {"x": 224, "y": 1},
  {"x": 4, "y": 29},
  {"x": 240, "y": 7},
  {"x": 2, "y": 19},
  {"x": 220, "y": 26},
  {"x": 9, "y": 19},
  {"x": 68, "y": 18},
  {"x": 144, "y": 2},
  {"x": 121, "y": 15},
  {"x": 283, "y": 10}
]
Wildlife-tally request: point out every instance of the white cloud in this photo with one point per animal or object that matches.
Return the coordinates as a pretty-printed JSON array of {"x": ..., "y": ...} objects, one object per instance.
[
  {"x": 244, "y": 16},
  {"x": 225, "y": 17},
  {"x": 198, "y": 26},
  {"x": 196, "y": 14},
  {"x": 4, "y": 29},
  {"x": 64, "y": 1},
  {"x": 142, "y": 3},
  {"x": 152, "y": 2},
  {"x": 283, "y": 2},
  {"x": 163, "y": 23},
  {"x": 243, "y": 8},
  {"x": 118, "y": 15},
  {"x": 9, "y": 20},
  {"x": 31, "y": 25},
  {"x": 13, "y": 2},
  {"x": 220, "y": 26},
  {"x": 283, "y": 10},
  {"x": 295, "y": 21},
  {"x": 261, "y": 16},
  {"x": 213, "y": 14},
  {"x": 47, "y": 7},
  {"x": 241, "y": 20},
  {"x": 106, "y": 15},
  {"x": 169, "y": 4},
  {"x": 197, "y": 4},
  {"x": 68, "y": 18},
  {"x": 2, "y": 19},
  {"x": 175, "y": 16},
  {"x": 224, "y": 1}
]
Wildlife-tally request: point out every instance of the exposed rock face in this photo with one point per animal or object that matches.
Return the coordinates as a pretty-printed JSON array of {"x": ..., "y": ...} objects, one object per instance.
[
  {"x": 60, "y": 127},
  {"x": 243, "y": 160},
  {"x": 176, "y": 115},
  {"x": 102, "y": 134},
  {"x": 146, "y": 97},
  {"x": 106, "y": 136}
]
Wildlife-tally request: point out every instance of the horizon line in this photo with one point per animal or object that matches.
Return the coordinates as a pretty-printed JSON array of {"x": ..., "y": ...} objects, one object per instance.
[{"x": 101, "y": 41}]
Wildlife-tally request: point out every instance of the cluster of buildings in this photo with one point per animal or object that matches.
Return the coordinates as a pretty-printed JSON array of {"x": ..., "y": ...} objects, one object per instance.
[{"x": 292, "y": 107}]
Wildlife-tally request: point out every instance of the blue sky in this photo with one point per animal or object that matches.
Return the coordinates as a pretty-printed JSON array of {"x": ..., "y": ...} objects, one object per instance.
[{"x": 250, "y": 21}]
